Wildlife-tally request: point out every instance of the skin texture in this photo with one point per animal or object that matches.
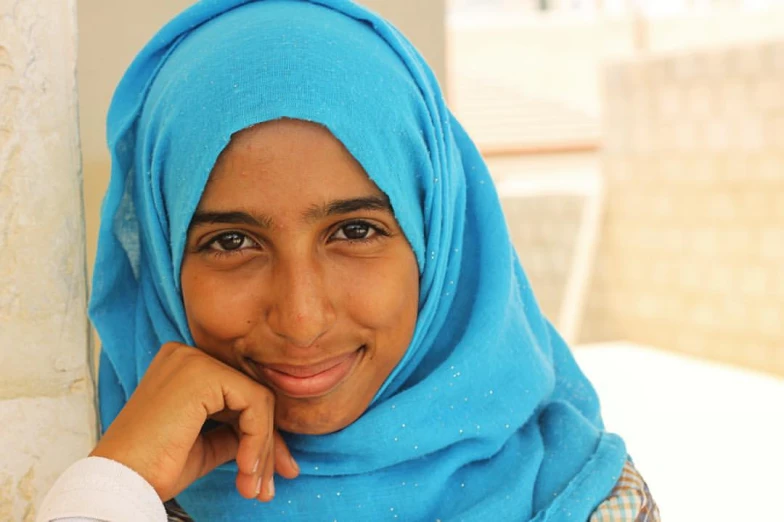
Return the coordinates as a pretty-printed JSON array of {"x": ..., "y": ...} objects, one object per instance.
[
  {"x": 302, "y": 286},
  {"x": 294, "y": 266}
]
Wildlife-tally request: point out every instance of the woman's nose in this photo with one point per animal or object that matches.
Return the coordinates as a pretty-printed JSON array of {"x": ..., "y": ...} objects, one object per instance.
[{"x": 301, "y": 310}]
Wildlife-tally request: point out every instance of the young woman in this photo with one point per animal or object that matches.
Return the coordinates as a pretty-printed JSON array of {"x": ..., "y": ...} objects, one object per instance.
[{"x": 308, "y": 301}]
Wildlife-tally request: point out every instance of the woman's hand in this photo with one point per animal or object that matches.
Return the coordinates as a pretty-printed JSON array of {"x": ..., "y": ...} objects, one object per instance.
[{"x": 158, "y": 432}]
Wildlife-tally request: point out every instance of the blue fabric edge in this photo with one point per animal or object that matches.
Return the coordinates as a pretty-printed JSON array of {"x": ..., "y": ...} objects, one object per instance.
[{"x": 608, "y": 460}]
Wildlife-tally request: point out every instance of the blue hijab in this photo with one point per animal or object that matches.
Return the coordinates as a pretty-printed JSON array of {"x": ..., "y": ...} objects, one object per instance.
[{"x": 487, "y": 417}]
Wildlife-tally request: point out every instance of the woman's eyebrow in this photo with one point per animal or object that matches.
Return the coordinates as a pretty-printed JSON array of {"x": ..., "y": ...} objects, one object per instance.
[
  {"x": 314, "y": 213},
  {"x": 346, "y": 206},
  {"x": 235, "y": 217}
]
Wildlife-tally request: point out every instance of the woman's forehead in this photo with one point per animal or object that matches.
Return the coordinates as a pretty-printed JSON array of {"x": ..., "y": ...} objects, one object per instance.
[
  {"x": 287, "y": 144},
  {"x": 288, "y": 163}
]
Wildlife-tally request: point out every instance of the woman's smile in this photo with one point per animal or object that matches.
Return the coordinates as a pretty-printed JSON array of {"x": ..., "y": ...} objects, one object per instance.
[{"x": 309, "y": 380}]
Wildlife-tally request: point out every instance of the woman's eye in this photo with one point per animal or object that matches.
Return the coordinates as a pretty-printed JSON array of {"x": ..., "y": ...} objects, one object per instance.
[
  {"x": 231, "y": 241},
  {"x": 355, "y": 232}
]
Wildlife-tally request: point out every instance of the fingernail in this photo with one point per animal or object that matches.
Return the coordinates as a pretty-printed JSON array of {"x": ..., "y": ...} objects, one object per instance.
[
  {"x": 271, "y": 487},
  {"x": 258, "y": 487},
  {"x": 256, "y": 466},
  {"x": 294, "y": 463}
]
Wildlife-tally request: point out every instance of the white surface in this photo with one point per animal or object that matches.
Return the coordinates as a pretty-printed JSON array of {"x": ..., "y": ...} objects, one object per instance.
[{"x": 708, "y": 438}]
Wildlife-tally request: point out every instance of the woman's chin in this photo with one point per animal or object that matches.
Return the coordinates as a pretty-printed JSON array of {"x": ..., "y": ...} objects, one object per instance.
[{"x": 321, "y": 419}]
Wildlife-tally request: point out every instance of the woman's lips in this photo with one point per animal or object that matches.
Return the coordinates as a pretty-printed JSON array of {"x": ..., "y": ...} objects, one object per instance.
[{"x": 312, "y": 380}]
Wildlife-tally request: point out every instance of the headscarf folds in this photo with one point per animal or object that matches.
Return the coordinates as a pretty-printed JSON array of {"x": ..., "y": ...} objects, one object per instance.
[{"x": 487, "y": 416}]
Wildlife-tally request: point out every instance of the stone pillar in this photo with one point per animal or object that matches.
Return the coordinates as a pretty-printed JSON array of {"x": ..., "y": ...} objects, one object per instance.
[{"x": 46, "y": 387}]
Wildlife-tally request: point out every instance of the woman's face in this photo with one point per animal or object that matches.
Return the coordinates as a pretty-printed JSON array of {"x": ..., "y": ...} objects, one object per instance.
[{"x": 297, "y": 274}]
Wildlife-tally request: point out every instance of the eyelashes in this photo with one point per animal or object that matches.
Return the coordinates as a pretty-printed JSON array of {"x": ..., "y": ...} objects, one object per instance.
[
  {"x": 361, "y": 231},
  {"x": 230, "y": 242},
  {"x": 235, "y": 242}
]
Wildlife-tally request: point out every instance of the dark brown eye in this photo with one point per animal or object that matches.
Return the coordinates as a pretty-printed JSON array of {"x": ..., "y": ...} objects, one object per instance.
[
  {"x": 355, "y": 231},
  {"x": 230, "y": 241},
  {"x": 358, "y": 231}
]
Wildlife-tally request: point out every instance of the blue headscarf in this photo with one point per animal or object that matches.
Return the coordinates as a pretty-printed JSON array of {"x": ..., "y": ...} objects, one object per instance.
[{"x": 487, "y": 416}]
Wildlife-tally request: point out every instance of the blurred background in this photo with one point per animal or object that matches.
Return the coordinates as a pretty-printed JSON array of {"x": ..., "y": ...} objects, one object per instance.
[{"x": 638, "y": 148}]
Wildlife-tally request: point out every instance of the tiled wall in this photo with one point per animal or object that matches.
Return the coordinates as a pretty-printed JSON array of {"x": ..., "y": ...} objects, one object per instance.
[{"x": 692, "y": 244}]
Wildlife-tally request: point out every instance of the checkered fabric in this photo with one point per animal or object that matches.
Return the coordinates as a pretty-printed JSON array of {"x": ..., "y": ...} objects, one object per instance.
[{"x": 629, "y": 501}]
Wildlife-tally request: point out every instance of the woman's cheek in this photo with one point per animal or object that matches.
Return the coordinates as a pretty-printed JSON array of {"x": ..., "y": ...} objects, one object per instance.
[
  {"x": 383, "y": 294},
  {"x": 219, "y": 306}
]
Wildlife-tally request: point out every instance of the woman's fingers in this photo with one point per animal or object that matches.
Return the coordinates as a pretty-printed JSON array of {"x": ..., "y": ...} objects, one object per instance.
[
  {"x": 252, "y": 457},
  {"x": 219, "y": 446},
  {"x": 248, "y": 484},
  {"x": 159, "y": 431},
  {"x": 285, "y": 464},
  {"x": 261, "y": 450},
  {"x": 267, "y": 480},
  {"x": 259, "y": 482},
  {"x": 210, "y": 450},
  {"x": 254, "y": 426}
]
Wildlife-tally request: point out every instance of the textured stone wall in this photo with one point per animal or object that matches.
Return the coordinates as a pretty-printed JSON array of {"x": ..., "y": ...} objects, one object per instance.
[
  {"x": 46, "y": 398},
  {"x": 692, "y": 245}
]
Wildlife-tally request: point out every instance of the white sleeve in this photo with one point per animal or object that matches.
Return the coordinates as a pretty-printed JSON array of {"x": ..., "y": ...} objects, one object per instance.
[{"x": 98, "y": 489}]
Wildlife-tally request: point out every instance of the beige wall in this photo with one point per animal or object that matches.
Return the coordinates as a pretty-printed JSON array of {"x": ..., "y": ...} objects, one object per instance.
[
  {"x": 544, "y": 229},
  {"x": 559, "y": 58},
  {"x": 424, "y": 22},
  {"x": 46, "y": 399},
  {"x": 113, "y": 31},
  {"x": 544, "y": 201},
  {"x": 692, "y": 246}
]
